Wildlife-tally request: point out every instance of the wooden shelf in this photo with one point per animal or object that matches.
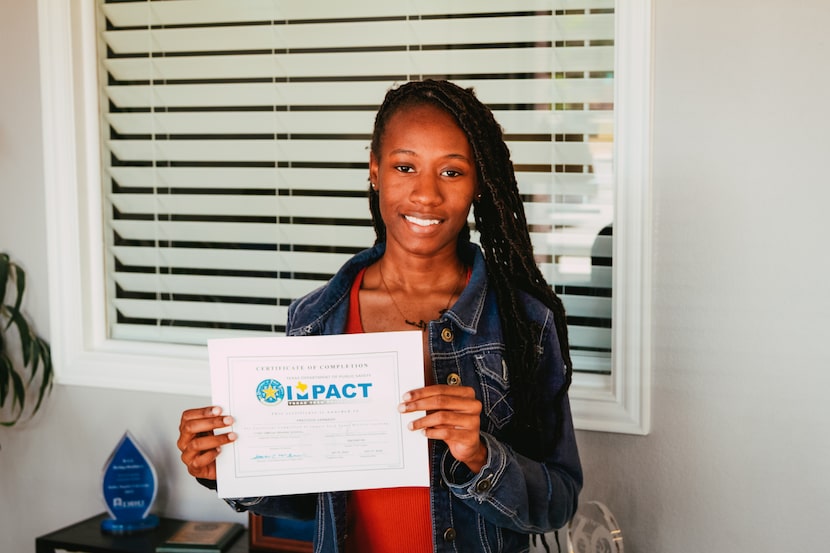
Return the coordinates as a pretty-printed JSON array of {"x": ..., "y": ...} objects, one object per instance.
[{"x": 86, "y": 537}]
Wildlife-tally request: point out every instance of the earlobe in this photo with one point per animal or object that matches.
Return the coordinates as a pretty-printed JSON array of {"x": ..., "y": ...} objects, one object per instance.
[{"x": 373, "y": 171}]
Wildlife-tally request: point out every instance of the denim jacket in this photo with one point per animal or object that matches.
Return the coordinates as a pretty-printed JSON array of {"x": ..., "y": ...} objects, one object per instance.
[{"x": 512, "y": 496}]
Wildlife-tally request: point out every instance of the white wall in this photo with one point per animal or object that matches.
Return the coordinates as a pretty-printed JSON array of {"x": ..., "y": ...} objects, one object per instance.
[
  {"x": 740, "y": 447},
  {"x": 740, "y": 450},
  {"x": 50, "y": 469}
]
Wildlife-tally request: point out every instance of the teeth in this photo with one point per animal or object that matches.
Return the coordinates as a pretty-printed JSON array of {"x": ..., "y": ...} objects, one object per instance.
[{"x": 421, "y": 222}]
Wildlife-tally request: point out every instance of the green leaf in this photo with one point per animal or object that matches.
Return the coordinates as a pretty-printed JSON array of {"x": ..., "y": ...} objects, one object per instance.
[
  {"x": 5, "y": 376},
  {"x": 34, "y": 356},
  {"x": 36, "y": 353},
  {"x": 19, "y": 396},
  {"x": 20, "y": 280},
  {"x": 19, "y": 277},
  {"x": 5, "y": 263},
  {"x": 25, "y": 335},
  {"x": 48, "y": 373}
]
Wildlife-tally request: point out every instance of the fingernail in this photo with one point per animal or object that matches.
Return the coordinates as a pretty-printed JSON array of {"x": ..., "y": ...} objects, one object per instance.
[
  {"x": 215, "y": 410},
  {"x": 402, "y": 408},
  {"x": 228, "y": 420},
  {"x": 410, "y": 426},
  {"x": 407, "y": 396},
  {"x": 232, "y": 436}
]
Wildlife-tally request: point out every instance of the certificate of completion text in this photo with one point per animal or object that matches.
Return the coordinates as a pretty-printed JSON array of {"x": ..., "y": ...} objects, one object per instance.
[{"x": 318, "y": 413}]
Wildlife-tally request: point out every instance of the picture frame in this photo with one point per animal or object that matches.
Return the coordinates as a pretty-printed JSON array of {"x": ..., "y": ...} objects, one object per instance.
[{"x": 270, "y": 534}]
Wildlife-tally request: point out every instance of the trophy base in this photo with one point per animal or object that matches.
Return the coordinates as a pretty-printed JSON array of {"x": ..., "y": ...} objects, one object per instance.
[{"x": 114, "y": 526}]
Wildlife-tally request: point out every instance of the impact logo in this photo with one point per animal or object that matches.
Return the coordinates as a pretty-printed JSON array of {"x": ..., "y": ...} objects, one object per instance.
[{"x": 270, "y": 392}]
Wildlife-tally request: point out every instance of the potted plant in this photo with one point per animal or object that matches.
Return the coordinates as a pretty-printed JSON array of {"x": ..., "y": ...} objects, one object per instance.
[{"x": 19, "y": 382}]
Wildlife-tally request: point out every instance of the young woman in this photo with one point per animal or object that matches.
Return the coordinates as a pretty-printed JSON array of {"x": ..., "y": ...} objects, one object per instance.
[{"x": 503, "y": 457}]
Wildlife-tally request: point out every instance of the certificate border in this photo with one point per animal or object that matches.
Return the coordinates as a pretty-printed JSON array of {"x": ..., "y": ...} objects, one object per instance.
[{"x": 407, "y": 345}]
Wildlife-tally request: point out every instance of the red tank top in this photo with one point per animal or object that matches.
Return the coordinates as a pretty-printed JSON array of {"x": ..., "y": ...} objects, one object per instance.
[{"x": 386, "y": 519}]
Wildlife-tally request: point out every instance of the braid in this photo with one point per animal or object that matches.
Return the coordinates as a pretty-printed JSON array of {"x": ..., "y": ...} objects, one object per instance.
[{"x": 508, "y": 252}]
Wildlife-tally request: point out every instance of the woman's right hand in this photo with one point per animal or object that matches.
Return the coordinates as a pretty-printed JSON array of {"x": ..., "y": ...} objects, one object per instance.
[{"x": 198, "y": 443}]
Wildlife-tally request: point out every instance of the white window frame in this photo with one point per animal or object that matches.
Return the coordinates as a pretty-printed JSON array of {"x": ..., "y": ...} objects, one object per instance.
[{"x": 83, "y": 355}]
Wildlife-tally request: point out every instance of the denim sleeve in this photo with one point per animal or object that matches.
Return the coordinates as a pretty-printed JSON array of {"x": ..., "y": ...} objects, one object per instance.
[
  {"x": 514, "y": 491},
  {"x": 302, "y": 506}
]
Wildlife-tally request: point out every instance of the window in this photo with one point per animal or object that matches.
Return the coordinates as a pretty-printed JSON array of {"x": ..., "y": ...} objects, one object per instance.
[{"x": 233, "y": 169}]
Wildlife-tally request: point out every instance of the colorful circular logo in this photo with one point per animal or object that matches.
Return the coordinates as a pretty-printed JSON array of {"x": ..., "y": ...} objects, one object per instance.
[{"x": 270, "y": 392}]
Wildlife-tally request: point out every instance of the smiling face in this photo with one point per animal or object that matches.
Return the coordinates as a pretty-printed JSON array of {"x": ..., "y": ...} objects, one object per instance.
[{"x": 425, "y": 176}]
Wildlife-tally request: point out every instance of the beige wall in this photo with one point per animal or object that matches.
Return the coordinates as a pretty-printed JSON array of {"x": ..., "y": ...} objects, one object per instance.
[{"x": 738, "y": 455}]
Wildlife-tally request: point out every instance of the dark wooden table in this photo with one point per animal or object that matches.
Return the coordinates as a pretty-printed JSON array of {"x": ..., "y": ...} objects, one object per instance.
[{"x": 86, "y": 536}]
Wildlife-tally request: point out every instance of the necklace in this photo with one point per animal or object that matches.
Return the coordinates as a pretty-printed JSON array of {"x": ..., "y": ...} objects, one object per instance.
[{"x": 421, "y": 323}]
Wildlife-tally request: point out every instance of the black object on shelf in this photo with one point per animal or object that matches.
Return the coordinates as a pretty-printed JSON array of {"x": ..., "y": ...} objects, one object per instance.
[{"x": 86, "y": 536}]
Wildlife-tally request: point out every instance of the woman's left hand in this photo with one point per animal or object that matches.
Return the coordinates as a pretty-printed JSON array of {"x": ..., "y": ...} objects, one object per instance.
[{"x": 452, "y": 416}]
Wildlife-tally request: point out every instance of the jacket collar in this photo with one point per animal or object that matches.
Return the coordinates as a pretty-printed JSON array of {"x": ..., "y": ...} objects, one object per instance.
[
  {"x": 467, "y": 311},
  {"x": 315, "y": 310}
]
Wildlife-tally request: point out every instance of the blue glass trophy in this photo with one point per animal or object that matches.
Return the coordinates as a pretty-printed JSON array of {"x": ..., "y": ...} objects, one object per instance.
[{"x": 130, "y": 485}]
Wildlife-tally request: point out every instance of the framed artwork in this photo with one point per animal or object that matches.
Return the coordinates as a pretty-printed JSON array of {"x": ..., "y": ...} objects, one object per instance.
[{"x": 280, "y": 534}]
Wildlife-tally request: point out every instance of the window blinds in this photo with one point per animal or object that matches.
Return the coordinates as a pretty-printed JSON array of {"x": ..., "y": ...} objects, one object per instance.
[{"x": 236, "y": 138}]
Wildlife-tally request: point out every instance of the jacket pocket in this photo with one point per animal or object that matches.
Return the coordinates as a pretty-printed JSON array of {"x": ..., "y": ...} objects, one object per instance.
[{"x": 495, "y": 388}]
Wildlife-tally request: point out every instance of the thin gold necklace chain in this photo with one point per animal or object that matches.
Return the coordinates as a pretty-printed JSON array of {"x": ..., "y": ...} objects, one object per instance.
[{"x": 419, "y": 324}]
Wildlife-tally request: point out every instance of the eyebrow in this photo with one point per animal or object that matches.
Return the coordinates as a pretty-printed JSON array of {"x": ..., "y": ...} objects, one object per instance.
[{"x": 413, "y": 153}]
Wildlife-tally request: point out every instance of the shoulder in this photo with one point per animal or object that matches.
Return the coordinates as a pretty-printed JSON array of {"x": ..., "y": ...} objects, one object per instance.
[
  {"x": 479, "y": 304},
  {"x": 535, "y": 308},
  {"x": 316, "y": 307}
]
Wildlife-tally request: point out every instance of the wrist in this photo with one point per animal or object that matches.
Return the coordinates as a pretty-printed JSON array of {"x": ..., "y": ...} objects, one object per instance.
[{"x": 479, "y": 459}]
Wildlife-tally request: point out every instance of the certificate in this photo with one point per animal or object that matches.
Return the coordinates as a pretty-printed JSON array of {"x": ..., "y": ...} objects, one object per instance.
[{"x": 318, "y": 413}]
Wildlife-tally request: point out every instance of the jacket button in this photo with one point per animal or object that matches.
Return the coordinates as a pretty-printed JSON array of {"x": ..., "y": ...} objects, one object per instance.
[
  {"x": 484, "y": 485},
  {"x": 453, "y": 379},
  {"x": 449, "y": 534},
  {"x": 446, "y": 335}
]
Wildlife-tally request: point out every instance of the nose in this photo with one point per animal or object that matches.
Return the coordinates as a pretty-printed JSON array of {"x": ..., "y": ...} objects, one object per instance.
[{"x": 426, "y": 190}]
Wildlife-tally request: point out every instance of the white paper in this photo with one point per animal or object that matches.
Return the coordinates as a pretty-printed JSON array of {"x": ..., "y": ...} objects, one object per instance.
[{"x": 318, "y": 413}]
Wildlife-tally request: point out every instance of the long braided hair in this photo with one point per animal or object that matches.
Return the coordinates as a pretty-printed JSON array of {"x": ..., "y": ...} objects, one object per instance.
[{"x": 500, "y": 220}]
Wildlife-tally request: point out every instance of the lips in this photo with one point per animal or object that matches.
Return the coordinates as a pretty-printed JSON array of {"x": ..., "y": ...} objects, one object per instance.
[{"x": 421, "y": 222}]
